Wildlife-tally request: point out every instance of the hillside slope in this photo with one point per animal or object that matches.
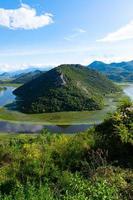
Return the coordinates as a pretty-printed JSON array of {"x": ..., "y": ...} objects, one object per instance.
[
  {"x": 26, "y": 77},
  {"x": 64, "y": 88},
  {"x": 120, "y": 72}
]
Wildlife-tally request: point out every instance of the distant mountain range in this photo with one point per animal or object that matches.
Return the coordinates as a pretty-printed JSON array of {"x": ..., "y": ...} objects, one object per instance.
[
  {"x": 5, "y": 76},
  {"x": 21, "y": 76},
  {"x": 65, "y": 88},
  {"x": 26, "y": 77},
  {"x": 119, "y": 72}
]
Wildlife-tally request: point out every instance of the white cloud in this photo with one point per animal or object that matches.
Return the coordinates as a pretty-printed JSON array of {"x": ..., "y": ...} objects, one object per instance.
[
  {"x": 124, "y": 33},
  {"x": 80, "y": 30},
  {"x": 24, "y": 17},
  {"x": 76, "y": 33},
  {"x": 17, "y": 67}
]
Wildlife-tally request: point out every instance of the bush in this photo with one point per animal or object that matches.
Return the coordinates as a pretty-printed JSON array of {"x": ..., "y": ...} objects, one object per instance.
[{"x": 86, "y": 166}]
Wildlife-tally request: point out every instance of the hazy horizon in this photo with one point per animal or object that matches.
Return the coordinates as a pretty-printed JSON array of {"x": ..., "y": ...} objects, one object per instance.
[{"x": 48, "y": 67}]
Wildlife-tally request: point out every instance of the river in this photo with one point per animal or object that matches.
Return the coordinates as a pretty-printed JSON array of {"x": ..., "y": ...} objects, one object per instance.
[{"x": 6, "y": 97}]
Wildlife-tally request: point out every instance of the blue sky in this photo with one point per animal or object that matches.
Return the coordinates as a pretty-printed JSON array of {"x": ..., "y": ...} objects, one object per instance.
[{"x": 53, "y": 32}]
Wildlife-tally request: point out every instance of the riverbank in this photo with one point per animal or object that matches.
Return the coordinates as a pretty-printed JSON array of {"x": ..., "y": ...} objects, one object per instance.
[
  {"x": 61, "y": 118},
  {"x": 66, "y": 122}
]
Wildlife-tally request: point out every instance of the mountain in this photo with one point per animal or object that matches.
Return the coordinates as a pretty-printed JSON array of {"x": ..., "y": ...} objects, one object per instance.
[
  {"x": 120, "y": 72},
  {"x": 26, "y": 77},
  {"x": 15, "y": 74},
  {"x": 22, "y": 76},
  {"x": 5, "y": 76},
  {"x": 64, "y": 88}
]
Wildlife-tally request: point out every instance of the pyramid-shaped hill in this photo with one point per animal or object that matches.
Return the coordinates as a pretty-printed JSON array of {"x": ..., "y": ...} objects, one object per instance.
[{"x": 65, "y": 88}]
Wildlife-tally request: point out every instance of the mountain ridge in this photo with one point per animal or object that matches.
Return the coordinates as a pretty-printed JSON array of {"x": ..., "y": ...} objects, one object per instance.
[
  {"x": 64, "y": 88},
  {"x": 119, "y": 72},
  {"x": 26, "y": 77}
]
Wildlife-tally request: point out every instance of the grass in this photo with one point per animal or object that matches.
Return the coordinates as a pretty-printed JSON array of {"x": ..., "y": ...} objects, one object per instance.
[
  {"x": 10, "y": 85},
  {"x": 124, "y": 84},
  {"x": 93, "y": 165},
  {"x": 2, "y": 88},
  {"x": 61, "y": 118},
  {"x": 7, "y": 136}
]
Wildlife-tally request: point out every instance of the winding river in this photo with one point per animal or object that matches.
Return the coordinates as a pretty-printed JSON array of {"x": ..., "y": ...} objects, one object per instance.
[{"x": 6, "y": 97}]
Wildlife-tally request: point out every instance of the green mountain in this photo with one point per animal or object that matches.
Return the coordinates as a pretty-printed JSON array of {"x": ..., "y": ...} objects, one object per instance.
[
  {"x": 26, "y": 77},
  {"x": 120, "y": 72},
  {"x": 64, "y": 88}
]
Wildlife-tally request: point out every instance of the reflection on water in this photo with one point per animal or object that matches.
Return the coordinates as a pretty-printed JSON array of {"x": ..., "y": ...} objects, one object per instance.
[
  {"x": 68, "y": 129},
  {"x": 29, "y": 128},
  {"x": 6, "y": 96}
]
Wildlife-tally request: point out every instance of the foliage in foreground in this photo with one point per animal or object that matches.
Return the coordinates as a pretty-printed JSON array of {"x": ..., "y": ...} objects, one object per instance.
[{"x": 95, "y": 165}]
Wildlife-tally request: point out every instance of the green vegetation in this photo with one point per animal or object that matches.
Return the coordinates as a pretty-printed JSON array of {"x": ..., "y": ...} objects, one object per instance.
[
  {"x": 6, "y": 84},
  {"x": 26, "y": 77},
  {"x": 95, "y": 165},
  {"x": 63, "y": 118},
  {"x": 65, "y": 88},
  {"x": 119, "y": 72},
  {"x": 2, "y": 88}
]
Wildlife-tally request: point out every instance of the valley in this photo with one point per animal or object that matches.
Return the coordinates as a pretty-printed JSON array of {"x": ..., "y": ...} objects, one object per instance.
[{"x": 66, "y": 100}]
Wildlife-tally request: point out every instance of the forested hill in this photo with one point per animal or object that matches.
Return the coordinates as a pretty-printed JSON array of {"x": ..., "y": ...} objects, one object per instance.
[
  {"x": 120, "y": 72},
  {"x": 65, "y": 88}
]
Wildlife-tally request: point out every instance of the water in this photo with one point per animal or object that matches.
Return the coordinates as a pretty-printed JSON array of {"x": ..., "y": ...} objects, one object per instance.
[
  {"x": 6, "y": 97},
  {"x": 129, "y": 91},
  {"x": 29, "y": 128}
]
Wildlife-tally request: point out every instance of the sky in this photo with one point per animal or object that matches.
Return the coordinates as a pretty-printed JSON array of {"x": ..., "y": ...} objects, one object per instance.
[{"x": 46, "y": 33}]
